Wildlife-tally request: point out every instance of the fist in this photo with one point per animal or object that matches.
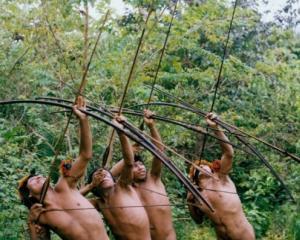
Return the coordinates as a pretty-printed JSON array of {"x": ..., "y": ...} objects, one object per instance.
[
  {"x": 210, "y": 120},
  {"x": 118, "y": 120},
  {"x": 35, "y": 212},
  {"x": 149, "y": 121},
  {"x": 80, "y": 104}
]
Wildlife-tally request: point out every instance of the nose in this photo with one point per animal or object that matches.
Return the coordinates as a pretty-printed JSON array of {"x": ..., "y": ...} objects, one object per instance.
[
  {"x": 39, "y": 177},
  {"x": 102, "y": 176},
  {"x": 140, "y": 167}
]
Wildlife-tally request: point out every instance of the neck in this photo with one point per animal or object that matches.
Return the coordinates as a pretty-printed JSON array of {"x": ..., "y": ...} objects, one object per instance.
[
  {"x": 106, "y": 192},
  {"x": 139, "y": 181},
  {"x": 48, "y": 197}
]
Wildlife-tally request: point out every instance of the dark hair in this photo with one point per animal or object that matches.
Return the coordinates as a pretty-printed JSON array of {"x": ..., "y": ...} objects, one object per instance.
[
  {"x": 24, "y": 192},
  {"x": 97, "y": 191},
  {"x": 138, "y": 158}
]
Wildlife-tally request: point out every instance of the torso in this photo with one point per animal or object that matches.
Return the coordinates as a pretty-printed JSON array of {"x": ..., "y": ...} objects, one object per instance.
[
  {"x": 77, "y": 224},
  {"x": 152, "y": 192},
  {"x": 229, "y": 218},
  {"x": 128, "y": 222}
]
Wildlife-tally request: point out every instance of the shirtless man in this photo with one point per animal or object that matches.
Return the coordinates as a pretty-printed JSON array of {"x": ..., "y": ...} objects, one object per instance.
[
  {"x": 81, "y": 224},
  {"x": 118, "y": 201},
  {"x": 229, "y": 219},
  {"x": 151, "y": 189}
]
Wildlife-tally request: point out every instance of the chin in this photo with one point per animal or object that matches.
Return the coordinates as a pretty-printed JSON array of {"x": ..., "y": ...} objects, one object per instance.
[
  {"x": 39, "y": 188},
  {"x": 107, "y": 185},
  {"x": 141, "y": 179}
]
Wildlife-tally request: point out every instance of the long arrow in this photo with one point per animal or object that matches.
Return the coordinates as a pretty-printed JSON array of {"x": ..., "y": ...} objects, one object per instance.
[
  {"x": 108, "y": 150},
  {"x": 160, "y": 60},
  {"x": 219, "y": 76}
]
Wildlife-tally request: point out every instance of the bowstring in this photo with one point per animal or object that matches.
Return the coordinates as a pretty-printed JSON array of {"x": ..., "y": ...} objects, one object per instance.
[{"x": 160, "y": 60}]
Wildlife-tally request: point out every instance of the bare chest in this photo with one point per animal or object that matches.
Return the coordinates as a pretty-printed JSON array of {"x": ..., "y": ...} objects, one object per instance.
[
  {"x": 117, "y": 208},
  {"x": 152, "y": 192},
  {"x": 222, "y": 196},
  {"x": 72, "y": 214}
]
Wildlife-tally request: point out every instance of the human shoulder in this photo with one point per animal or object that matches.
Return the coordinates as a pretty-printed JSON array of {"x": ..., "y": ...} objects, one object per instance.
[
  {"x": 121, "y": 187},
  {"x": 61, "y": 185}
]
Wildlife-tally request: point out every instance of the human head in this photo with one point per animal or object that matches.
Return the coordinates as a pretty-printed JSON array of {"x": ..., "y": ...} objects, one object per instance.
[
  {"x": 139, "y": 169},
  {"x": 214, "y": 166},
  {"x": 30, "y": 188},
  {"x": 103, "y": 179},
  {"x": 136, "y": 148}
]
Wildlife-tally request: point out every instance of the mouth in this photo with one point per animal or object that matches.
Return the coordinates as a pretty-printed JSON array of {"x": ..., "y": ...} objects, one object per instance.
[
  {"x": 141, "y": 173},
  {"x": 40, "y": 181},
  {"x": 105, "y": 180}
]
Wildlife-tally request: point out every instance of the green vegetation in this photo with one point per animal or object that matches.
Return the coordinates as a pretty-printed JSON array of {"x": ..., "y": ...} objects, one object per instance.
[{"x": 259, "y": 93}]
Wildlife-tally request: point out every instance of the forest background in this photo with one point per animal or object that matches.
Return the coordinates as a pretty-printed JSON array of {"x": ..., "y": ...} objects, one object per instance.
[{"x": 259, "y": 93}]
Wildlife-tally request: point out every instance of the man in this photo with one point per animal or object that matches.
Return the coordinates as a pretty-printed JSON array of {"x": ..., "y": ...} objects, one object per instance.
[
  {"x": 228, "y": 216},
  {"x": 118, "y": 201},
  {"x": 150, "y": 188},
  {"x": 54, "y": 214}
]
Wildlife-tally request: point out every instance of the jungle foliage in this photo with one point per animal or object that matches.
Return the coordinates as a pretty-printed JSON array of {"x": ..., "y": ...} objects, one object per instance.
[{"x": 259, "y": 93}]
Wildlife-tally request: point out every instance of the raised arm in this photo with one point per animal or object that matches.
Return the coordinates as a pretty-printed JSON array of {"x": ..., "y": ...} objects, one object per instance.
[
  {"x": 117, "y": 168},
  {"x": 156, "y": 163},
  {"x": 126, "y": 177},
  {"x": 227, "y": 150},
  {"x": 85, "y": 150}
]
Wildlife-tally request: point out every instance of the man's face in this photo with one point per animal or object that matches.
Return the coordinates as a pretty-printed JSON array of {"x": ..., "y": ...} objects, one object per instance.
[
  {"x": 103, "y": 178},
  {"x": 201, "y": 175},
  {"x": 206, "y": 169},
  {"x": 139, "y": 171},
  {"x": 35, "y": 184}
]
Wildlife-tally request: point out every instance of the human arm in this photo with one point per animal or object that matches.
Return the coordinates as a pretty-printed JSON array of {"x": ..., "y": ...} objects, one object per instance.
[
  {"x": 117, "y": 168},
  {"x": 227, "y": 150},
  {"x": 156, "y": 140},
  {"x": 37, "y": 231},
  {"x": 195, "y": 212},
  {"x": 96, "y": 181},
  {"x": 126, "y": 176},
  {"x": 85, "y": 150},
  {"x": 86, "y": 189}
]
